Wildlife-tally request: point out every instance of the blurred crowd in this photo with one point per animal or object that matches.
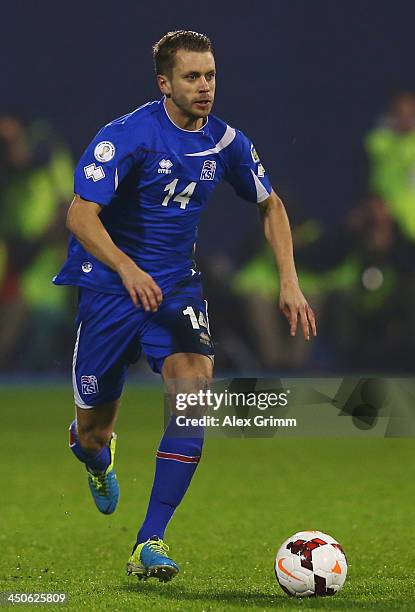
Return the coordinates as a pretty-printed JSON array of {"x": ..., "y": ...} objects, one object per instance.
[
  {"x": 357, "y": 275},
  {"x": 36, "y": 186}
]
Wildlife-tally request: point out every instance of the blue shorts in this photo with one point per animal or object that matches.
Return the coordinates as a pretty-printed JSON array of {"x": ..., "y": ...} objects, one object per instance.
[{"x": 111, "y": 332}]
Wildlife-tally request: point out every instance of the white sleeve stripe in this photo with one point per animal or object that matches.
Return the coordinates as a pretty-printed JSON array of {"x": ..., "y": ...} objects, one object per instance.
[{"x": 261, "y": 193}]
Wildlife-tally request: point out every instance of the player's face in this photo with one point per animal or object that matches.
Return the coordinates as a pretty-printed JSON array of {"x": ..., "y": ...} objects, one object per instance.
[{"x": 192, "y": 83}]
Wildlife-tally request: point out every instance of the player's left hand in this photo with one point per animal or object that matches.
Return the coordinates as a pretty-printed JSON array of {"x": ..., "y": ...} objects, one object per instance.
[{"x": 294, "y": 306}]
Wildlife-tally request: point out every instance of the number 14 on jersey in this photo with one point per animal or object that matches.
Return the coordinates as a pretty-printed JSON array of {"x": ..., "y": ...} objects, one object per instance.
[{"x": 182, "y": 197}]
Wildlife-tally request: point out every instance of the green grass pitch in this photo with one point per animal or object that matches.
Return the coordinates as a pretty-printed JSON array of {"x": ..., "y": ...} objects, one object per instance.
[{"x": 248, "y": 495}]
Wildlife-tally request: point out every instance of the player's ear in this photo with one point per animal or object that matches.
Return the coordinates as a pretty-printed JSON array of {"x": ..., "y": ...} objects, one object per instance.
[{"x": 164, "y": 85}]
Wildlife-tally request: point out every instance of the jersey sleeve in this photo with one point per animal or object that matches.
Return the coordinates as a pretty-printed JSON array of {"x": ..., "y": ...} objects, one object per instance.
[
  {"x": 104, "y": 164},
  {"x": 245, "y": 172}
]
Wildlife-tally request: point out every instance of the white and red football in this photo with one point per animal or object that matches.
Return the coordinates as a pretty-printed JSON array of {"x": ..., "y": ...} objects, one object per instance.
[{"x": 309, "y": 564}]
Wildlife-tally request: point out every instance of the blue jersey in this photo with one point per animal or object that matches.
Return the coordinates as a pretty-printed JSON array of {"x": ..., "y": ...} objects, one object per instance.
[{"x": 153, "y": 179}]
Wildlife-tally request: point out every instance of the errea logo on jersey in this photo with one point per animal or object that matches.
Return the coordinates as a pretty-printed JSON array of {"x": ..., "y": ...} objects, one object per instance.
[
  {"x": 208, "y": 170},
  {"x": 165, "y": 166}
]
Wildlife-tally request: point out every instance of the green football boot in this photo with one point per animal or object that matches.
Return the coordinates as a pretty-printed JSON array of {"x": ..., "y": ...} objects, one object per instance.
[
  {"x": 150, "y": 560},
  {"x": 104, "y": 485}
]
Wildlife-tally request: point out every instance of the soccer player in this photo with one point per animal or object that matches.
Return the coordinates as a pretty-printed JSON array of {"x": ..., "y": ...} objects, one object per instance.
[{"x": 140, "y": 188}]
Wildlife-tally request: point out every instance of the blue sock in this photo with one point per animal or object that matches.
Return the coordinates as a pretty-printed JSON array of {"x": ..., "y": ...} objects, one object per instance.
[
  {"x": 176, "y": 461},
  {"x": 95, "y": 462}
]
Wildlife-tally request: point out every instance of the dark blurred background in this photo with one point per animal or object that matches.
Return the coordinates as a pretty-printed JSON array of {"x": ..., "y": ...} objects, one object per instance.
[{"x": 326, "y": 91}]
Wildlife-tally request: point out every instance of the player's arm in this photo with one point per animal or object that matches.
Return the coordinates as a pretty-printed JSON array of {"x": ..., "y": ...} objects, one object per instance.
[
  {"x": 84, "y": 222},
  {"x": 278, "y": 234},
  {"x": 248, "y": 177}
]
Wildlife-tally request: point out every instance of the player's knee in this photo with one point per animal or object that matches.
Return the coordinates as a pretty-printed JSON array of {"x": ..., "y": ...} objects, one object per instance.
[
  {"x": 188, "y": 370},
  {"x": 200, "y": 381},
  {"x": 186, "y": 397},
  {"x": 195, "y": 378},
  {"x": 192, "y": 382}
]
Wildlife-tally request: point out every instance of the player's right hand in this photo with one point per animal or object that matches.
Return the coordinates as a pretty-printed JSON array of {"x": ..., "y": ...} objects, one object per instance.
[{"x": 142, "y": 288}]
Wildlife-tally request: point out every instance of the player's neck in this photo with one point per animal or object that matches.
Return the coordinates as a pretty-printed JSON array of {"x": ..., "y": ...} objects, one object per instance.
[{"x": 183, "y": 121}]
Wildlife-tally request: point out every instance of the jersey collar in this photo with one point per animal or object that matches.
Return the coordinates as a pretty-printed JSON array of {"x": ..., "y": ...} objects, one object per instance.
[{"x": 170, "y": 122}]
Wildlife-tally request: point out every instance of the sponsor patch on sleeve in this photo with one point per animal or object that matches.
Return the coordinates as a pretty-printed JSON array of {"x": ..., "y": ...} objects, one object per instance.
[{"x": 254, "y": 154}]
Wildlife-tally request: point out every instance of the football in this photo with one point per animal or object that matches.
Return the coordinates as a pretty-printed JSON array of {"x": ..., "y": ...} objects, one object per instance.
[{"x": 310, "y": 564}]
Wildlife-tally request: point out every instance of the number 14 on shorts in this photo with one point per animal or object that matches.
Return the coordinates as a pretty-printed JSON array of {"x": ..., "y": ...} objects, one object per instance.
[{"x": 196, "y": 322}]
